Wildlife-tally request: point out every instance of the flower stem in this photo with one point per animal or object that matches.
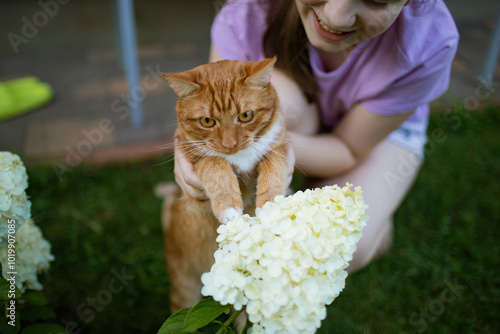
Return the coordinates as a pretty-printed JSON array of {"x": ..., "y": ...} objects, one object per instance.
[{"x": 229, "y": 321}]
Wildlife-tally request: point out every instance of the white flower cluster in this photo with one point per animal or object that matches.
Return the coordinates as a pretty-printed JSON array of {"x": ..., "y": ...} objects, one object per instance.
[
  {"x": 289, "y": 261},
  {"x": 14, "y": 203},
  {"x": 30, "y": 250},
  {"x": 32, "y": 256}
]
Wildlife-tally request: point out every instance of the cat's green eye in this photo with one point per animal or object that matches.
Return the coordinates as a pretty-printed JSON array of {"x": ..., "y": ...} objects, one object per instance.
[
  {"x": 245, "y": 116},
  {"x": 207, "y": 122}
]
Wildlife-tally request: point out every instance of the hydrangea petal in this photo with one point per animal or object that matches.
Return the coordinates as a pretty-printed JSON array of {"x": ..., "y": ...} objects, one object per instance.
[{"x": 288, "y": 262}]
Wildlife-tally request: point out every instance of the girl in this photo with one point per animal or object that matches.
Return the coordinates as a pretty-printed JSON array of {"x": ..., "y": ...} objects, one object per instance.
[{"x": 354, "y": 78}]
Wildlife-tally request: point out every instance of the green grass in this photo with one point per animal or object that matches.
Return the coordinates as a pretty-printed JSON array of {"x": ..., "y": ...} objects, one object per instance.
[{"x": 441, "y": 276}]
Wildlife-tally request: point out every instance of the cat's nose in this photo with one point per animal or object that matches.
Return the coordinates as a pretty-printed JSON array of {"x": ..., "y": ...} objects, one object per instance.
[{"x": 229, "y": 144}]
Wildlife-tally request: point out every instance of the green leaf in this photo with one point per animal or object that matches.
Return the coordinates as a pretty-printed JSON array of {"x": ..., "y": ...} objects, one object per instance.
[
  {"x": 32, "y": 313},
  {"x": 204, "y": 313},
  {"x": 189, "y": 320},
  {"x": 175, "y": 323},
  {"x": 44, "y": 329},
  {"x": 5, "y": 328},
  {"x": 35, "y": 298}
]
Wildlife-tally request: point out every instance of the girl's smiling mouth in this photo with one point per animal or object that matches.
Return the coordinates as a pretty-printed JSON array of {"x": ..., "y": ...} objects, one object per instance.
[{"x": 327, "y": 32}]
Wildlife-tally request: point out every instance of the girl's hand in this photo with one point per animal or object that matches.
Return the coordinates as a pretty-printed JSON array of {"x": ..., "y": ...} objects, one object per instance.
[{"x": 186, "y": 178}]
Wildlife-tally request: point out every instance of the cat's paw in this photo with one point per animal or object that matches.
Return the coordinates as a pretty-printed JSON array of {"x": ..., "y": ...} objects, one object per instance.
[{"x": 231, "y": 214}]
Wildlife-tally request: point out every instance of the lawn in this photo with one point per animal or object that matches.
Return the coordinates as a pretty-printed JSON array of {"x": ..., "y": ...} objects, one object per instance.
[{"x": 442, "y": 274}]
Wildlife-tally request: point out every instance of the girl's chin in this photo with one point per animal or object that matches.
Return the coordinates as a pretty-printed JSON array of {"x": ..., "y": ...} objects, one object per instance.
[{"x": 332, "y": 47}]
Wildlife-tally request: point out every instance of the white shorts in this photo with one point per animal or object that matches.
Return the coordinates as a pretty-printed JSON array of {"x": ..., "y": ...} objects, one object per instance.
[{"x": 411, "y": 135}]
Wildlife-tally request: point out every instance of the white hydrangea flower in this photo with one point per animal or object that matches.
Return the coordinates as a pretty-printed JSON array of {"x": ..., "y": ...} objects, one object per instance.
[
  {"x": 31, "y": 258},
  {"x": 289, "y": 261},
  {"x": 32, "y": 251},
  {"x": 14, "y": 203}
]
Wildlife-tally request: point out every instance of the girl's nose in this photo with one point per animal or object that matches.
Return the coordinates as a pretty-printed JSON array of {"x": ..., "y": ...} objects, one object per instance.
[{"x": 340, "y": 14}]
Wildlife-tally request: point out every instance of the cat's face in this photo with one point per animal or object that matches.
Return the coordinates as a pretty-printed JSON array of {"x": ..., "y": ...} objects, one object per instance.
[{"x": 225, "y": 107}]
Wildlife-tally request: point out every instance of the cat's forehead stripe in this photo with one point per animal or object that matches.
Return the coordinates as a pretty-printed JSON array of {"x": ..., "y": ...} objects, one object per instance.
[{"x": 222, "y": 99}]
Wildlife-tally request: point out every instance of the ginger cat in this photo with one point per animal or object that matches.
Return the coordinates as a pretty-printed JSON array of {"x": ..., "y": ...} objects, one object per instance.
[{"x": 231, "y": 129}]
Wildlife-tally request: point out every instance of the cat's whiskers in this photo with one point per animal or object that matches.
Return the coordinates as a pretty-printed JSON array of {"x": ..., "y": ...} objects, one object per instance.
[
  {"x": 295, "y": 144},
  {"x": 276, "y": 141},
  {"x": 271, "y": 150},
  {"x": 161, "y": 147},
  {"x": 192, "y": 150},
  {"x": 256, "y": 150},
  {"x": 199, "y": 149},
  {"x": 172, "y": 158},
  {"x": 164, "y": 162},
  {"x": 208, "y": 151},
  {"x": 194, "y": 154},
  {"x": 269, "y": 160},
  {"x": 187, "y": 142},
  {"x": 258, "y": 145},
  {"x": 192, "y": 143},
  {"x": 171, "y": 145},
  {"x": 173, "y": 124}
]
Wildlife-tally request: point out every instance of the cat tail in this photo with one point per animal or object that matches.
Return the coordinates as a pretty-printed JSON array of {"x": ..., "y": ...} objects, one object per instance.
[{"x": 169, "y": 192}]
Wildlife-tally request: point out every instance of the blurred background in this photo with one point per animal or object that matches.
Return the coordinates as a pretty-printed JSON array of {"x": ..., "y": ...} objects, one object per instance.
[
  {"x": 75, "y": 51},
  {"x": 72, "y": 45}
]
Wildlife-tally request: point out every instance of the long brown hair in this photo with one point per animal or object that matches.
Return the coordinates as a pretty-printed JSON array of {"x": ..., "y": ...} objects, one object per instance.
[{"x": 286, "y": 38}]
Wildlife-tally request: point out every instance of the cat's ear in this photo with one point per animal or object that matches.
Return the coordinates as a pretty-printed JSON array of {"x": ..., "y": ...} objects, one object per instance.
[
  {"x": 183, "y": 83},
  {"x": 259, "y": 72}
]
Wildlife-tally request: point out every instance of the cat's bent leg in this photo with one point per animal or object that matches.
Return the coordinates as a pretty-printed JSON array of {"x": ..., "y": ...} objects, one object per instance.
[
  {"x": 181, "y": 243},
  {"x": 221, "y": 186},
  {"x": 185, "y": 287},
  {"x": 189, "y": 248}
]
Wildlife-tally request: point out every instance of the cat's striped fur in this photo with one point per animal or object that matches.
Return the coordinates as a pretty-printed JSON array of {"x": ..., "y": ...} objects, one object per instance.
[{"x": 231, "y": 129}]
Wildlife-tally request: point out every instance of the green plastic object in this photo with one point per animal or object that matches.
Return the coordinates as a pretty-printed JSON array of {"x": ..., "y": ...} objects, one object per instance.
[{"x": 22, "y": 95}]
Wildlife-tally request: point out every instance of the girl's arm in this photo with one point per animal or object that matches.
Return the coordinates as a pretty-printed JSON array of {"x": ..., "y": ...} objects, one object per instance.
[{"x": 358, "y": 132}]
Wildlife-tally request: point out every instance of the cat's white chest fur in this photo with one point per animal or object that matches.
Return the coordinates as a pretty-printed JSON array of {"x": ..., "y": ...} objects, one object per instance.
[{"x": 246, "y": 159}]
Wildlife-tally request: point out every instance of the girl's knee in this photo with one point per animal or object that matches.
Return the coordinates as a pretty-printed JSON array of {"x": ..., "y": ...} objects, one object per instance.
[{"x": 372, "y": 246}]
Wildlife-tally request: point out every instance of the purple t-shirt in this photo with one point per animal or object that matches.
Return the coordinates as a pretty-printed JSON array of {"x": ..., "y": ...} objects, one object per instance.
[{"x": 401, "y": 70}]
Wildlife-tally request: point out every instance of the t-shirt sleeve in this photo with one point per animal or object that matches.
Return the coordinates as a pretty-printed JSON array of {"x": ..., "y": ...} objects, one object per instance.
[
  {"x": 419, "y": 86},
  {"x": 238, "y": 30}
]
